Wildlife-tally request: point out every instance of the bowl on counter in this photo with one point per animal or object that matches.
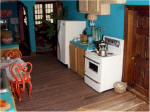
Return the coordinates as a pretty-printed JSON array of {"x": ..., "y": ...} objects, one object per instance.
[{"x": 84, "y": 39}]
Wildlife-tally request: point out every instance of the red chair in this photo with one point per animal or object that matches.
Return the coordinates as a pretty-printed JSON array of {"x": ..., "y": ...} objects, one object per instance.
[
  {"x": 14, "y": 53},
  {"x": 20, "y": 76}
]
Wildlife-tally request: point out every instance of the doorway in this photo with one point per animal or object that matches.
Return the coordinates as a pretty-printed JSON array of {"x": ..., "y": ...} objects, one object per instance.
[
  {"x": 44, "y": 33},
  {"x": 136, "y": 50},
  {"x": 24, "y": 44}
]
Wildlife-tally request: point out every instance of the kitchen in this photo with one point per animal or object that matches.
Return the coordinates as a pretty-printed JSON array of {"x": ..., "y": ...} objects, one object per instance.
[{"x": 103, "y": 21}]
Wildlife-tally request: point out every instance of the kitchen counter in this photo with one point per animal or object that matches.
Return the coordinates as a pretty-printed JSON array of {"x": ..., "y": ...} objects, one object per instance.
[
  {"x": 7, "y": 96},
  {"x": 4, "y": 47},
  {"x": 14, "y": 44},
  {"x": 83, "y": 46},
  {"x": 5, "y": 92}
]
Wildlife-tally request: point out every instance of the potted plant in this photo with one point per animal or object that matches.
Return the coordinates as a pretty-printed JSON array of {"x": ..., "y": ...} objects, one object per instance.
[{"x": 51, "y": 28}]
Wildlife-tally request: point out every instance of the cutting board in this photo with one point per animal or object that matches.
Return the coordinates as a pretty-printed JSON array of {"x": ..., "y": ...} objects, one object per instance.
[{"x": 4, "y": 105}]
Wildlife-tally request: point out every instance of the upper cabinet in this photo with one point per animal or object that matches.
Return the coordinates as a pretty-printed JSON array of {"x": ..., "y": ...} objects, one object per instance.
[
  {"x": 117, "y": 1},
  {"x": 94, "y": 7},
  {"x": 83, "y": 6},
  {"x": 97, "y": 7}
]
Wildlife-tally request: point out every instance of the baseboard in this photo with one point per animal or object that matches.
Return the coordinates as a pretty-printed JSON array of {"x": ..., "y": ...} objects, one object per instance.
[{"x": 33, "y": 53}]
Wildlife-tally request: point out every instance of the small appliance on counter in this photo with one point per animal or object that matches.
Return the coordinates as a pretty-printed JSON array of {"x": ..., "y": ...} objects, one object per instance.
[{"x": 102, "y": 48}]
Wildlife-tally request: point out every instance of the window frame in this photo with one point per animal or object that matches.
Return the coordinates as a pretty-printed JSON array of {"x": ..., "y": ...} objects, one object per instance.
[{"x": 44, "y": 9}]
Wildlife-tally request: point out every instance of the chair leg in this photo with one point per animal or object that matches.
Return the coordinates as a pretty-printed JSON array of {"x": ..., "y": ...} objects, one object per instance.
[
  {"x": 30, "y": 88},
  {"x": 18, "y": 94},
  {"x": 12, "y": 88},
  {"x": 22, "y": 87}
]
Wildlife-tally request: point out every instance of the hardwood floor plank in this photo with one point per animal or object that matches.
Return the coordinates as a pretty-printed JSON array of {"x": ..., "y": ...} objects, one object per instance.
[
  {"x": 108, "y": 102},
  {"x": 57, "y": 88},
  {"x": 142, "y": 107},
  {"x": 126, "y": 104}
]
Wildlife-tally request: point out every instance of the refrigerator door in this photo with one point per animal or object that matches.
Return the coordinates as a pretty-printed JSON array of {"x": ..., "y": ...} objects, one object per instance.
[
  {"x": 61, "y": 42},
  {"x": 73, "y": 30},
  {"x": 67, "y": 30}
]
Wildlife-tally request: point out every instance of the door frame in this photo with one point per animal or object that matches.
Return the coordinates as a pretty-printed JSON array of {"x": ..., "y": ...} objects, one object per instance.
[{"x": 128, "y": 42}]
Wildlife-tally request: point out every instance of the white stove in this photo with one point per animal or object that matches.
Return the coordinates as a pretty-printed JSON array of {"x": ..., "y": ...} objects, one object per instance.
[{"x": 102, "y": 72}]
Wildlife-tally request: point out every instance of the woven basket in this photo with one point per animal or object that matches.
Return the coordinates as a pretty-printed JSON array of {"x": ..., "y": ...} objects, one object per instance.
[
  {"x": 83, "y": 38},
  {"x": 6, "y": 37},
  {"x": 120, "y": 87}
]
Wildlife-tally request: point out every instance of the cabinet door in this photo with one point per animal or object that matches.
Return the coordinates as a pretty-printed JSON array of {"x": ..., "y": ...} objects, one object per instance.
[
  {"x": 83, "y": 6},
  {"x": 100, "y": 7},
  {"x": 92, "y": 6},
  {"x": 73, "y": 57},
  {"x": 117, "y": 1},
  {"x": 81, "y": 61}
]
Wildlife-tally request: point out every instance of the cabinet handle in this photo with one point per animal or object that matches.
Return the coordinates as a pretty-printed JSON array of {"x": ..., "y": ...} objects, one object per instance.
[
  {"x": 145, "y": 54},
  {"x": 132, "y": 58},
  {"x": 143, "y": 75}
]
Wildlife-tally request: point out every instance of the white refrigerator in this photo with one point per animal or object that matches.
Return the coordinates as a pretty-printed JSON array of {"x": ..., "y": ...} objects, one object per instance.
[{"x": 67, "y": 30}]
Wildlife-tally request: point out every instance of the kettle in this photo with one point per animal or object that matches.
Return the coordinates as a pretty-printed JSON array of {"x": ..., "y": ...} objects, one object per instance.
[{"x": 102, "y": 48}]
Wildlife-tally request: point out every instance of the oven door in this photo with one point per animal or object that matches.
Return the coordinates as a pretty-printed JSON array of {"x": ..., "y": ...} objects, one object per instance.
[{"x": 92, "y": 69}]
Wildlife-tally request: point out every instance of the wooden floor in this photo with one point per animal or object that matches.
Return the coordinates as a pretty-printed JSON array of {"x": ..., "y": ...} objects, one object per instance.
[{"x": 56, "y": 88}]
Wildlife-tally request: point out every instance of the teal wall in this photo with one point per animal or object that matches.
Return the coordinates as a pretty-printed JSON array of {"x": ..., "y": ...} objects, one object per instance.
[
  {"x": 113, "y": 24},
  {"x": 137, "y": 2},
  {"x": 29, "y": 9},
  {"x": 14, "y": 7}
]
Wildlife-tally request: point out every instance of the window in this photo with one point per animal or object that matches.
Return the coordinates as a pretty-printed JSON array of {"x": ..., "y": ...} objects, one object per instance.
[
  {"x": 38, "y": 13},
  {"x": 42, "y": 11},
  {"x": 24, "y": 16},
  {"x": 48, "y": 9}
]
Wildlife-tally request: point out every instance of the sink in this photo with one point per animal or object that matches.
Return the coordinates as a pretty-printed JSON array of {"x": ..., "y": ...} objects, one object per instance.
[{"x": 4, "y": 86}]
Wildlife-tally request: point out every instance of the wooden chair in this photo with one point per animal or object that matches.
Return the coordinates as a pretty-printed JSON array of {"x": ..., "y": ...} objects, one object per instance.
[
  {"x": 14, "y": 53},
  {"x": 20, "y": 76}
]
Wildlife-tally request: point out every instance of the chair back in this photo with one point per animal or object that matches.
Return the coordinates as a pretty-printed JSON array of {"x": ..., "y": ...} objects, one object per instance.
[{"x": 21, "y": 72}]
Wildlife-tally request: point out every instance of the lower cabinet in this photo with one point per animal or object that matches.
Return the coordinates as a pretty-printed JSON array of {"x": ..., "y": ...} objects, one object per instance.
[{"x": 77, "y": 59}]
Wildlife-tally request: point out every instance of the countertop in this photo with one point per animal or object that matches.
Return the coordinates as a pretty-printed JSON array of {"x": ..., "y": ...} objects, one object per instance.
[
  {"x": 7, "y": 96},
  {"x": 83, "y": 46},
  {"x": 14, "y": 44}
]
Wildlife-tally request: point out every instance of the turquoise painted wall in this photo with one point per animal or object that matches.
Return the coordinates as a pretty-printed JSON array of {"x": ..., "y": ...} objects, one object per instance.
[
  {"x": 113, "y": 24},
  {"x": 29, "y": 9},
  {"x": 14, "y": 7}
]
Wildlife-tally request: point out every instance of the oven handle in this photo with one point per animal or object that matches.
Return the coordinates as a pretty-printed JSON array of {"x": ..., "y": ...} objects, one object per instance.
[{"x": 92, "y": 60}]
